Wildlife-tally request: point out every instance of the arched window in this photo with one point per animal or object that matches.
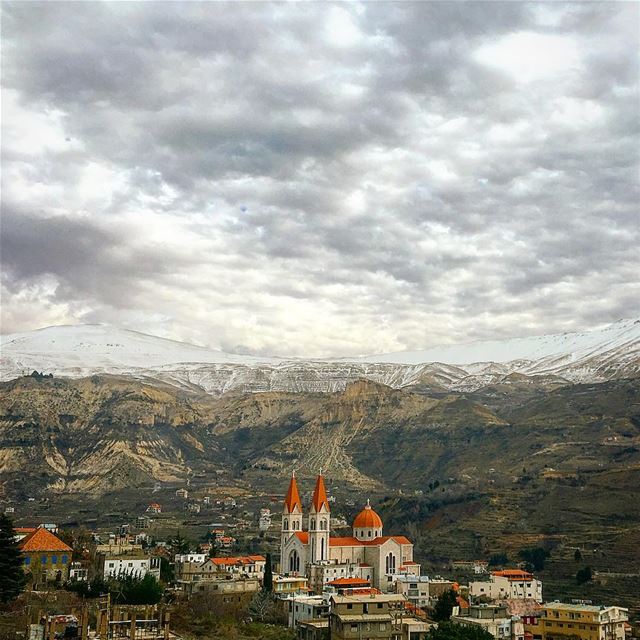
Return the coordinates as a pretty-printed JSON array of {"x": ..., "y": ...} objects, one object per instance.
[
  {"x": 285, "y": 525},
  {"x": 322, "y": 548},
  {"x": 369, "y": 533},
  {"x": 294, "y": 562},
  {"x": 312, "y": 524},
  {"x": 313, "y": 549},
  {"x": 390, "y": 563},
  {"x": 323, "y": 524}
]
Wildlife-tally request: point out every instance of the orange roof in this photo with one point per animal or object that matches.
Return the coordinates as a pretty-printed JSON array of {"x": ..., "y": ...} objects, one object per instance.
[
  {"x": 24, "y": 529},
  {"x": 513, "y": 574},
  {"x": 350, "y": 541},
  {"x": 293, "y": 497},
  {"x": 238, "y": 560},
  {"x": 43, "y": 540},
  {"x": 349, "y": 582},
  {"x": 319, "y": 496},
  {"x": 462, "y": 603},
  {"x": 368, "y": 518},
  {"x": 303, "y": 536}
]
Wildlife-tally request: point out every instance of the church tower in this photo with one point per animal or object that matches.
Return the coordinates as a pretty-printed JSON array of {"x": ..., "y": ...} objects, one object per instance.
[
  {"x": 319, "y": 523},
  {"x": 291, "y": 516}
]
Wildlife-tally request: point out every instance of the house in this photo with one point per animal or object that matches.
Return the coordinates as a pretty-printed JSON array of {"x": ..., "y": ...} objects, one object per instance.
[
  {"x": 78, "y": 572},
  {"x": 494, "y": 619},
  {"x": 23, "y": 532},
  {"x": 368, "y": 616},
  {"x": 423, "y": 591},
  {"x": 317, "y": 629},
  {"x": 193, "y": 507},
  {"x": 558, "y": 621},
  {"x": 302, "y": 608},
  {"x": 251, "y": 566},
  {"x": 470, "y": 566},
  {"x": 143, "y": 522},
  {"x": 230, "y": 502},
  {"x": 137, "y": 566},
  {"x": 46, "y": 557},
  {"x": 264, "y": 522},
  {"x": 510, "y": 583},
  {"x": 289, "y": 585},
  {"x": 154, "y": 507},
  {"x": 182, "y": 493}
]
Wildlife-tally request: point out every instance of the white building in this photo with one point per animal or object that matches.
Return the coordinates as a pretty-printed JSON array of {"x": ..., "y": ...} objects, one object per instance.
[
  {"x": 510, "y": 583},
  {"x": 494, "y": 619},
  {"x": 303, "y": 608},
  {"x": 136, "y": 566},
  {"x": 190, "y": 557}
]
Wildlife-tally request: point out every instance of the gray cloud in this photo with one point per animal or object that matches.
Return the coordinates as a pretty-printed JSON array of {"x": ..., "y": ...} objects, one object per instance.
[{"x": 320, "y": 179}]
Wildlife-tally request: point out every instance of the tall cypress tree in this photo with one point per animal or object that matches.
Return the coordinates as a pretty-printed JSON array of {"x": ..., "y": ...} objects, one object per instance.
[
  {"x": 12, "y": 578},
  {"x": 267, "y": 582}
]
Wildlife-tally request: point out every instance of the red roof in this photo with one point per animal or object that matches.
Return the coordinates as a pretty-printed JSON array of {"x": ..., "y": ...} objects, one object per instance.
[
  {"x": 24, "y": 529},
  {"x": 367, "y": 519},
  {"x": 349, "y": 582},
  {"x": 350, "y": 541},
  {"x": 43, "y": 540},
  {"x": 513, "y": 574},
  {"x": 292, "y": 498},
  {"x": 303, "y": 536},
  {"x": 238, "y": 560},
  {"x": 319, "y": 496}
]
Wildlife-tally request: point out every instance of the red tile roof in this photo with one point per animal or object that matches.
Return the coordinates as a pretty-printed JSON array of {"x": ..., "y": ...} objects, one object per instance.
[
  {"x": 319, "y": 496},
  {"x": 292, "y": 498},
  {"x": 350, "y": 541},
  {"x": 349, "y": 582},
  {"x": 303, "y": 536},
  {"x": 513, "y": 574},
  {"x": 239, "y": 560},
  {"x": 24, "y": 529},
  {"x": 42, "y": 540}
]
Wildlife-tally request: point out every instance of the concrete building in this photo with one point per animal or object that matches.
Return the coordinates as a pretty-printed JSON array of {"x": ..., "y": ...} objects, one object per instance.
[
  {"x": 510, "y": 583},
  {"x": 560, "y": 621},
  {"x": 302, "y": 608},
  {"x": 137, "y": 566},
  {"x": 494, "y": 619},
  {"x": 422, "y": 591},
  {"x": 249, "y": 566},
  {"x": 290, "y": 584},
  {"x": 376, "y": 617}
]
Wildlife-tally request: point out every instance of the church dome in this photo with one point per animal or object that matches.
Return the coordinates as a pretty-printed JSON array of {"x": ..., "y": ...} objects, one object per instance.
[{"x": 367, "y": 519}]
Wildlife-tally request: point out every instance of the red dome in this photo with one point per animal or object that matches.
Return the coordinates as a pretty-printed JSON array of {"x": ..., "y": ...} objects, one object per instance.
[{"x": 367, "y": 519}]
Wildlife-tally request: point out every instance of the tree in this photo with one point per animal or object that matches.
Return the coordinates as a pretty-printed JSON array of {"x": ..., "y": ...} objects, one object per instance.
[
  {"x": 452, "y": 631},
  {"x": 262, "y": 606},
  {"x": 130, "y": 590},
  {"x": 12, "y": 578},
  {"x": 584, "y": 575},
  {"x": 179, "y": 544},
  {"x": 444, "y": 605},
  {"x": 577, "y": 556},
  {"x": 498, "y": 559},
  {"x": 534, "y": 558},
  {"x": 167, "y": 573},
  {"x": 267, "y": 583}
]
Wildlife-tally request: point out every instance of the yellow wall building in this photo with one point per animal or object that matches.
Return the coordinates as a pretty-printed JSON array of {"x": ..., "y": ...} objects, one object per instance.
[{"x": 560, "y": 621}]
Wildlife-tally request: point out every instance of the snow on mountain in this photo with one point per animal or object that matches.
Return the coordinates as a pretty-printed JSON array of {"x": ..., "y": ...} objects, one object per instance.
[{"x": 82, "y": 350}]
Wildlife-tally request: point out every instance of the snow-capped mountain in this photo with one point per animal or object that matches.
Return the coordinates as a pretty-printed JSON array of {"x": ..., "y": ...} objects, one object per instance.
[{"x": 80, "y": 350}]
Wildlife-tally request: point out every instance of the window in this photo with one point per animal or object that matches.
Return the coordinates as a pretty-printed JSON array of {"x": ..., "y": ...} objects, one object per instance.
[
  {"x": 379, "y": 605},
  {"x": 354, "y": 627},
  {"x": 43, "y": 559},
  {"x": 285, "y": 524},
  {"x": 65, "y": 559},
  {"x": 323, "y": 524},
  {"x": 312, "y": 524},
  {"x": 27, "y": 560},
  {"x": 369, "y": 533},
  {"x": 54, "y": 559}
]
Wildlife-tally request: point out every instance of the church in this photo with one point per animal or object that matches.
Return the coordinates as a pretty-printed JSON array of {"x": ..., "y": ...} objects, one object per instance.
[{"x": 322, "y": 558}]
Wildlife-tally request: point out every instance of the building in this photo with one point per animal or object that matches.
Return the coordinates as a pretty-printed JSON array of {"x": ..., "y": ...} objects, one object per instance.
[
  {"x": 560, "y": 621},
  {"x": 190, "y": 557},
  {"x": 182, "y": 493},
  {"x": 313, "y": 630},
  {"x": 510, "y": 583},
  {"x": 366, "y": 553},
  {"x": 46, "y": 557},
  {"x": 372, "y": 616},
  {"x": 78, "y": 572},
  {"x": 302, "y": 608},
  {"x": 477, "y": 567},
  {"x": 422, "y": 591},
  {"x": 154, "y": 507},
  {"x": 137, "y": 566},
  {"x": 250, "y": 566},
  {"x": 494, "y": 619},
  {"x": 290, "y": 585},
  {"x": 264, "y": 522}
]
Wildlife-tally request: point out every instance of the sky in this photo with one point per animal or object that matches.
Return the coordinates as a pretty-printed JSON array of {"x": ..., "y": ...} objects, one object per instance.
[{"x": 320, "y": 178}]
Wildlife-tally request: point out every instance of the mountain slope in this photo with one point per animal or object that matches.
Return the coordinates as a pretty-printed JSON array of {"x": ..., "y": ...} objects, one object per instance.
[{"x": 76, "y": 351}]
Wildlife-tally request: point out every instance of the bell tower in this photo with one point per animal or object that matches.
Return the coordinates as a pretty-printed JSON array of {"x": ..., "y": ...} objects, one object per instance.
[
  {"x": 319, "y": 523},
  {"x": 291, "y": 513}
]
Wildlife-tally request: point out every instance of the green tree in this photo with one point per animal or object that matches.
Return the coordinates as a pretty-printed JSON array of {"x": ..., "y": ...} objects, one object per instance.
[
  {"x": 498, "y": 559},
  {"x": 12, "y": 578},
  {"x": 267, "y": 583},
  {"x": 130, "y": 590},
  {"x": 452, "y": 631},
  {"x": 179, "y": 544},
  {"x": 167, "y": 573},
  {"x": 534, "y": 558},
  {"x": 584, "y": 575},
  {"x": 577, "y": 556},
  {"x": 444, "y": 605}
]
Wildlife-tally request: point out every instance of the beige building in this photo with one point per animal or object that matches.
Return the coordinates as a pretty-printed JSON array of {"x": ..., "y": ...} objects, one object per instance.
[
  {"x": 508, "y": 584},
  {"x": 421, "y": 591},
  {"x": 374, "y": 617},
  {"x": 560, "y": 621},
  {"x": 494, "y": 619}
]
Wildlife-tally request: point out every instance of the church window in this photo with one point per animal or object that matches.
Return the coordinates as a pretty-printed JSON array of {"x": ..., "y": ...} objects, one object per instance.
[
  {"x": 313, "y": 524},
  {"x": 369, "y": 533},
  {"x": 323, "y": 524},
  {"x": 322, "y": 549},
  {"x": 286, "y": 524},
  {"x": 294, "y": 561}
]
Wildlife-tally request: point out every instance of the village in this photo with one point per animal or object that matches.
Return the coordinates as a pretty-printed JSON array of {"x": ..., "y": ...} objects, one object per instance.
[{"x": 280, "y": 564}]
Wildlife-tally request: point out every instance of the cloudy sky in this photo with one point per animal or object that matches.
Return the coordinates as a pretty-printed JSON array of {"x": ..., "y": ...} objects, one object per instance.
[{"x": 320, "y": 178}]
